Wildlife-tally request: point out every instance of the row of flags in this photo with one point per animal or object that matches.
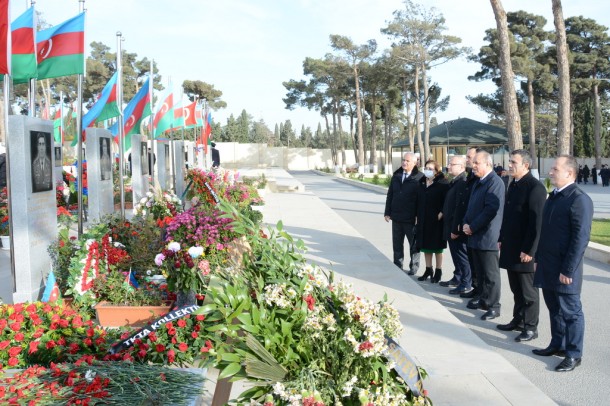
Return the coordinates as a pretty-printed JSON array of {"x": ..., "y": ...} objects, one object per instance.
[{"x": 59, "y": 51}]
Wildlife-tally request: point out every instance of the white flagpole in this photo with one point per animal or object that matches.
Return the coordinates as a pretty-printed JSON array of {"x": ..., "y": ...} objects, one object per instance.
[
  {"x": 79, "y": 134},
  {"x": 119, "y": 86},
  {"x": 7, "y": 164},
  {"x": 151, "y": 158}
]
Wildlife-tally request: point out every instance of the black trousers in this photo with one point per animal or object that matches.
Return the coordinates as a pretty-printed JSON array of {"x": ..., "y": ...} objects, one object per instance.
[
  {"x": 567, "y": 322},
  {"x": 459, "y": 255},
  {"x": 401, "y": 230},
  {"x": 487, "y": 268},
  {"x": 527, "y": 299}
]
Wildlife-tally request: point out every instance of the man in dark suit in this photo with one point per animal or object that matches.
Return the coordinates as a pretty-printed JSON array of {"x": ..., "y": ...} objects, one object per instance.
[
  {"x": 566, "y": 228},
  {"x": 401, "y": 208},
  {"x": 462, "y": 275},
  {"x": 518, "y": 243},
  {"x": 215, "y": 156},
  {"x": 482, "y": 223}
]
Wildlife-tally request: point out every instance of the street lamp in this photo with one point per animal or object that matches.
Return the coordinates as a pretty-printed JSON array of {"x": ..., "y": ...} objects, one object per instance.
[{"x": 447, "y": 125}]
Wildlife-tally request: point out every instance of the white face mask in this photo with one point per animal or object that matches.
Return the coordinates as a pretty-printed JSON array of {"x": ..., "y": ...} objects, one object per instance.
[{"x": 428, "y": 173}]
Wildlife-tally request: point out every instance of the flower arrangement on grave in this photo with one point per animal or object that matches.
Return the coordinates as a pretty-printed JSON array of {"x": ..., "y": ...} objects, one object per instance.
[
  {"x": 161, "y": 205},
  {"x": 40, "y": 333},
  {"x": 4, "y": 223},
  {"x": 208, "y": 187},
  {"x": 279, "y": 318},
  {"x": 87, "y": 381},
  {"x": 62, "y": 249}
]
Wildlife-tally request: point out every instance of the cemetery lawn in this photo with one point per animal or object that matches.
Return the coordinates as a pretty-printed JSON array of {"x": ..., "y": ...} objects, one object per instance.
[{"x": 600, "y": 231}]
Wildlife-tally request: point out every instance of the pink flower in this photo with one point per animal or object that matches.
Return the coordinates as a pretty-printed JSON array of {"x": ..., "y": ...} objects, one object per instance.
[
  {"x": 159, "y": 259},
  {"x": 204, "y": 266}
]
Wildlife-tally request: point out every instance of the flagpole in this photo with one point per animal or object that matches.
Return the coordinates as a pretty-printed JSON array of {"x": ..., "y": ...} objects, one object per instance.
[
  {"x": 151, "y": 158},
  {"x": 32, "y": 81},
  {"x": 8, "y": 179},
  {"x": 119, "y": 86},
  {"x": 79, "y": 134}
]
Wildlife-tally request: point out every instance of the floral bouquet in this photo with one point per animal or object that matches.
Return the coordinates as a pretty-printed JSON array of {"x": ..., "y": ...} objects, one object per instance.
[
  {"x": 161, "y": 205},
  {"x": 184, "y": 269},
  {"x": 209, "y": 186},
  {"x": 3, "y": 211}
]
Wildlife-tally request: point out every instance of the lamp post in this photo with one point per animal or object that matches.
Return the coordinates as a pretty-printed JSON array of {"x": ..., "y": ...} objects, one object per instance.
[{"x": 447, "y": 125}]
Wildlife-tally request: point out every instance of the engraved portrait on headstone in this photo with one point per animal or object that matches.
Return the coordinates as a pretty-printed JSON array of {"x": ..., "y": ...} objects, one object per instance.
[
  {"x": 40, "y": 147},
  {"x": 144, "y": 158},
  {"x": 58, "y": 160},
  {"x": 105, "y": 160}
]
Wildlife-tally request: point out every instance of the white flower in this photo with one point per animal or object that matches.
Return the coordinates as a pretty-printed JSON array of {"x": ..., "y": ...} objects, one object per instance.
[
  {"x": 149, "y": 194},
  {"x": 173, "y": 246},
  {"x": 118, "y": 245},
  {"x": 195, "y": 252},
  {"x": 143, "y": 200},
  {"x": 89, "y": 242}
]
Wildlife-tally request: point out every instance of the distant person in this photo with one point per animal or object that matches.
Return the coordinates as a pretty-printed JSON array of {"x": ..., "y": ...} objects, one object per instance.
[
  {"x": 579, "y": 175},
  {"x": 2, "y": 170},
  {"x": 41, "y": 165},
  {"x": 482, "y": 224},
  {"x": 429, "y": 240},
  {"x": 519, "y": 238},
  {"x": 565, "y": 233},
  {"x": 215, "y": 156},
  {"x": 604, "y": 173},
  {"x": 152, "y": 160},
  {"x": 401, "y": 209},
  {"x": 594, "y": 174},
  {"x": 585, "y": 174}
]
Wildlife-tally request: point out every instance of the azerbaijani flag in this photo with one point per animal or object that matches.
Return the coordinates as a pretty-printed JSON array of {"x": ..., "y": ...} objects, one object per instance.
[
  {"x": 135, "y": 111},
  {"x": 5, "y": 38},
  {"x": 61, "y": 49},
  {"x": 207, "y": 129},
  {"x": 189, "y": 115},
  {"x": 164, "y": 116},
  {"x": 51, "y": 291},
  {"x": 58, "y": 126},
  {"x": 178, "y": 116},
  {"x": 106, "y": 105},
  {"x": 24, "y": 47}
]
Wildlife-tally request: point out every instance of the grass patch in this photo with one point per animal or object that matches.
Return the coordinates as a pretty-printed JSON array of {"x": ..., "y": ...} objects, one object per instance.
[{"x": 600, "y": 231}]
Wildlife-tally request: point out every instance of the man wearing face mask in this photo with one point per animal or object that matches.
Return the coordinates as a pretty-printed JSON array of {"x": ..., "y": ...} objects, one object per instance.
[{"x": 401, "y": 209}]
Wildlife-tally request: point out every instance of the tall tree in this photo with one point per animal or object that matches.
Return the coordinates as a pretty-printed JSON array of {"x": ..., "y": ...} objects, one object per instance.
[
  {"x": 564, "y": 120},
  {"x": 511, "y": 109},
  {"x": 356, "y": 54}
]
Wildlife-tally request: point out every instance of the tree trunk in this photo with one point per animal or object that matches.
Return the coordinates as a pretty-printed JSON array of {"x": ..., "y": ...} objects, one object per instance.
[
  {"x": 511, "y": 109},
  {"x": 359, "y": 116},
  {"x": 598, "y": 127},
  {"x": 409, "y": 126},
  {"x": 564, "y": 120},
  {"x": 532, "y": 114},
  {"x": 333, "y": 144},
  {"x": 420, "y": 144},
  {"x": 426, "y": 115},
  {"x": 372, "y": 152}
]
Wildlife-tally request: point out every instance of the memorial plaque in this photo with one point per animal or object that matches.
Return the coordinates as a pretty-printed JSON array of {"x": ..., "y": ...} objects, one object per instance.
[
  {"x": 179, "y": 167},
  {"x": 163, "y": 165},
  {"x": 140, "y": 180},
  {"x": 99, "y": 176},
  {"x": 58, "y": 157},
  {"x": 144, "y": 158},
  {"x": 34, "y": 212}
]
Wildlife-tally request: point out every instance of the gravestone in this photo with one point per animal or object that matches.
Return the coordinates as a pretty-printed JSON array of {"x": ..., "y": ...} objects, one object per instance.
[
  {"x": 190, "y": 154},
  {"x": 99, "y": 172},
  {"x": 163, "y": 164},
  {"x": 34, "y": 211},
  {"x": 139, "y": 168},
  {"x": 58, "y": 163},
  {"x": 179, "y": 168}
]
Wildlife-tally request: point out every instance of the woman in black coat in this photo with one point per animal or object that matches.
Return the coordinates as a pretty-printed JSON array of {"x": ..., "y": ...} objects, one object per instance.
[{"x": 433, "y": 188}]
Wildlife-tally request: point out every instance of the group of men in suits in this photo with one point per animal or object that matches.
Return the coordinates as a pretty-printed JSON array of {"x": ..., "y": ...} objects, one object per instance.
[{"x": 540, "y": 241}]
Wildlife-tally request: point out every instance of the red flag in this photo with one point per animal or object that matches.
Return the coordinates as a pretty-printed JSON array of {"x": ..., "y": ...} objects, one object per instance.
[
  {"x": 5, "y": 38},
  {"x": 190, "y": 115}
]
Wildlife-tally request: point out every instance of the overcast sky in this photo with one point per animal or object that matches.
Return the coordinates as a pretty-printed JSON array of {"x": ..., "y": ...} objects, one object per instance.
[{"x": 247, "y": 48}]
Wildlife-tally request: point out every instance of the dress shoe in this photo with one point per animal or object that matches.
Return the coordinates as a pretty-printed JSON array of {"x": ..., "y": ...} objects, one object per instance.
[
  {"x": 438, "y": 274},
  {"x": 526, "y": 335},
  {"x": 474, "y": 304},
  {"x": 450, "y": 282},
  {"x": 411, "y": 272},
  {"x": 568, "y": 364},
  {"x": 513, "y": 325},
  {"x": 548, "y": 351},
  {"x": 490, "y": 314},
  {"x": 427, "y": 273},
  {"x": 469, "y": 295},
  {"x": 459, "y": 290}
]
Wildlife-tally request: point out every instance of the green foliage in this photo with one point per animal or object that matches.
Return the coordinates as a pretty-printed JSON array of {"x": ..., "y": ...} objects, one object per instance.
[
  {"x": 600, "y": 231},
  {"x": 375, "y": 180}
]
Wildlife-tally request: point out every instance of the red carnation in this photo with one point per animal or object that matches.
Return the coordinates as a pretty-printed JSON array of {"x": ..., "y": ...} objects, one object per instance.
[
  {"x": 181, "y": 323},
  {"x": 15, "y": 326},
  {"x": 14, "y": 351},
  {"x": 19, "y": 337},
  {"x": 33, "y": 347},
  {"x": 13, "y": 362},
  {"x": 367, "y": 345},
  {"x": 194, "y": 334},
  {"x": 50, "y": 344},
  {"x": 183, "y": 347},
  {"x": 160, "y": 347},
  {"x": 171, "y": 356},
  {"x": 152, "y": 337},
  {"x": 4, "y": 344},
  {"x": 311, "y": 301}
]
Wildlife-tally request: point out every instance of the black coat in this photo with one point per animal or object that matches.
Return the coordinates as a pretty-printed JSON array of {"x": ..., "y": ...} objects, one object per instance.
[
  {"x": 2, "y": 170},
  {"x": 521, "y": 223},
  {"x": 401, "y": 201},
  {"x": 429, "y": 205},
  {"x": 454, "y": 201},
  {"x": 215, "y": 157},
  {"x": 565, "y": 233}
]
